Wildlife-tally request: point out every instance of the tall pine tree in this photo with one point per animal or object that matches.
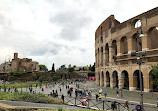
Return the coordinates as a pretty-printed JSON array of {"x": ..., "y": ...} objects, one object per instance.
[{"x": 53, "y": 69}]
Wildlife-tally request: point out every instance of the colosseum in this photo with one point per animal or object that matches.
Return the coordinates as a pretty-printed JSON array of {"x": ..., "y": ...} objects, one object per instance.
[{"x": 114, "y": 42}]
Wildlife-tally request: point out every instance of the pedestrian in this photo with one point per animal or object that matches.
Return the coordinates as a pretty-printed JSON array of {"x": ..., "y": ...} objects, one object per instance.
[
  {"x": 121, "y": 93},
  {"x": 138, "y": 107},
  {"x": 126, "y": 106},
  {"x": 105, "y": 94},
  {"x": 117, "y": 93},
  {"x": 60, "y": 89},
  {"x": 113, "y": 106},
  {"x": 99, "y": 97},
  {"x": 100, "y": 91},
  {"x": 96, "y": 95}
]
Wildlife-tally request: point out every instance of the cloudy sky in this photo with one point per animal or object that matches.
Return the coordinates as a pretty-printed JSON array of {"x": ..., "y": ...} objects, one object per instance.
[{"x": 59, "y": 31}]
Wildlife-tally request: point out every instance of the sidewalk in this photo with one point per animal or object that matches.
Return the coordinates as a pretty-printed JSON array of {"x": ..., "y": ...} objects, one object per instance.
[
  {"x": 150, "y": 97},
  {"x": 28, "y": 106}
]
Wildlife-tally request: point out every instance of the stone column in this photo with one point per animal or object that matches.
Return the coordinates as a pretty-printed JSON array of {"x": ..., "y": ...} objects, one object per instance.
[
  {"x": 121, "y": 80},
  {"x": 110, "y": 54},
  {"x": 118, "y": 49},
  {"x": 132, "y": 82},
  {"x": 96, "y": 77},
  {"x": 111, "y": 81},
  {"x": 129, "y": 41},
  {"x": 145, "y": 42},
  {"x": 147, "y": 84}
]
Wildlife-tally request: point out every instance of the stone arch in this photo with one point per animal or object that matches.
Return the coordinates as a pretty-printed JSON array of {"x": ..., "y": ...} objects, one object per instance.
[
  {"x": 136, "y": 80},
  {"x": 114, "y": 49},
  {"x": 102, "y": 79},
  {"x": 152, "y": 86},
  {"x": 107, "y": 79},
  {"x": 136, "y": 22},
  {"x": 153, "y": 36},
  {"x": 123, "y": 45},
  {"x": 98, "y": 77},
  {"x": 135, "y": 43},
  {"x": 106, "y": 54},
  {"x": 98, "y": 57},
  {"x": 101, "y": 56},
  {"x": 115, "y": 79},
  {"x": 125, "y": 78}
]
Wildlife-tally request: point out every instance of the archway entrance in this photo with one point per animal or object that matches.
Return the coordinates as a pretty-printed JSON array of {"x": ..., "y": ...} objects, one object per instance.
[
  {"x": 125, "y": 78},
  {"x": 115, "y": 79},
  {"x": 98, "y": 78},
  {"x": 137, "y": 80},
  {"x": 107, "y": 79},
  {"x": 102, "y": 79}
]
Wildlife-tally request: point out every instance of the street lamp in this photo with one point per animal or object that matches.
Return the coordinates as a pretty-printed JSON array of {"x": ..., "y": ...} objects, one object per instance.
[{"x": 139, "y": 62}]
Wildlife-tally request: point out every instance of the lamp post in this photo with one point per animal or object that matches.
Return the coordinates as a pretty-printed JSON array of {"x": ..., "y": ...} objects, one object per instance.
[{"x": 139, "y": 62}]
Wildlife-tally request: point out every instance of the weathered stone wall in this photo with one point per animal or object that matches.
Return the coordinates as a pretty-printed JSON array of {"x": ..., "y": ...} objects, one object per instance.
[{"x": 114, "y": 42}]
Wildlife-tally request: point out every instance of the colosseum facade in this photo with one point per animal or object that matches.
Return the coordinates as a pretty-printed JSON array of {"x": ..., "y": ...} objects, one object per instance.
[{"x": 114, "y": 42}]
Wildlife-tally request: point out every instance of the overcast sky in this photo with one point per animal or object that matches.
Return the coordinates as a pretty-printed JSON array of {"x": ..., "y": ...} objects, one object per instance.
[{"x": 59, "y": 31}]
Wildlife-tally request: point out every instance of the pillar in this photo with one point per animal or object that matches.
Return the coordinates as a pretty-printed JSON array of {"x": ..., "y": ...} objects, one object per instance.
[
  {"x": 132, "y": 82},
  {"x": 129, "y": 41},
  {"x": 103, "y": 56},
  {"x": 118, "y": 49},
  {"x": 121, "y": 80},
  {"x": 110, "y": 54},
  {"x": 145, "y": 42}
]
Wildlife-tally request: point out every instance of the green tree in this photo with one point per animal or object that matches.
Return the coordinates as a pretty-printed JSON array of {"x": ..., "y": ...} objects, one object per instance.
[
  {"x": 155, "y": 74},
  {"x": 71, "y": 69},
  {"x": 43, "y": 68},
  {"x": 93, "y": 67},
  {"x": 53, "y": 69}
]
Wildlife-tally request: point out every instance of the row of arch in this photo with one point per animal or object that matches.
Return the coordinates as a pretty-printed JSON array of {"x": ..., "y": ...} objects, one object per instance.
[
  {"x": 122, "y": 81},
  {"x": 123, "y": 48}
]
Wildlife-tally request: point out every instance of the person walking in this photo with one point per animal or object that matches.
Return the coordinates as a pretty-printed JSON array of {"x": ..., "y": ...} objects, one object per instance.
[
  {"x": 99, "y": 97},
  {"x": 117, "y": 93},
  {"x": 105, "y": 94},
  {"x": 126, "y": 106},
  {"x": 121, "y": 93}
]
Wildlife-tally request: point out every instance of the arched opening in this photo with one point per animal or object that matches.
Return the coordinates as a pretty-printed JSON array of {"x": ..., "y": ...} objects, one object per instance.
[
  {"x": 152, "y": 86},
  {"x": 107, "y": 79},
  {"x": 115, "y": 79},
  {"x": 106, "y": 54},
  {"x": 101, "y": 56},
  {"x": 99, "y": 78},
  {"x": 114, "y": 49},
  {"x": 125, "y": 78},
  {"x": 102, "y": 78},
  {"x": 137, "y": 80},
  {"x": 98, "y": 57},
  {"x": 124, "y": 45},
  {"x": 153, "y": 36},
  {"x": 135, "y": 40}
]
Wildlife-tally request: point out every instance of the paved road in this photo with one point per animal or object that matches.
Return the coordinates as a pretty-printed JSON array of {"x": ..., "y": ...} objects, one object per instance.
[{"x": 29, "y": 104}]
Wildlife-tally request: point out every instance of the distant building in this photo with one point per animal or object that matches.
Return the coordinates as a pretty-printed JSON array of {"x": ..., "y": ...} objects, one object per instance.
[{"x": 19, "y": 65}]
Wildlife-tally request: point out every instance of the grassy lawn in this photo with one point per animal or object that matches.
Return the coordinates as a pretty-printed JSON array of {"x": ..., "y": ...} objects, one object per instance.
[
  {"x": 29, "y": 97},
  {"x": 19, "y": 85}
]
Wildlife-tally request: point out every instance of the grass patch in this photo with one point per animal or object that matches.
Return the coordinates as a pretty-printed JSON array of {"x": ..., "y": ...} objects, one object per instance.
[
  {"x": 29, "y": 97},
  {"x": 19, "y": 85}
]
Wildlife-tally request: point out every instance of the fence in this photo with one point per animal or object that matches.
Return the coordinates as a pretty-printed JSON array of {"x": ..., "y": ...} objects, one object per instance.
[{"x": 103, "y": 104}]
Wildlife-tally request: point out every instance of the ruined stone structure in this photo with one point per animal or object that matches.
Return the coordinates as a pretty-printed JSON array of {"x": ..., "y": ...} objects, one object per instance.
[
  {"x": 19, "y": 65},
  {"x": 114, "y": 41}
]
